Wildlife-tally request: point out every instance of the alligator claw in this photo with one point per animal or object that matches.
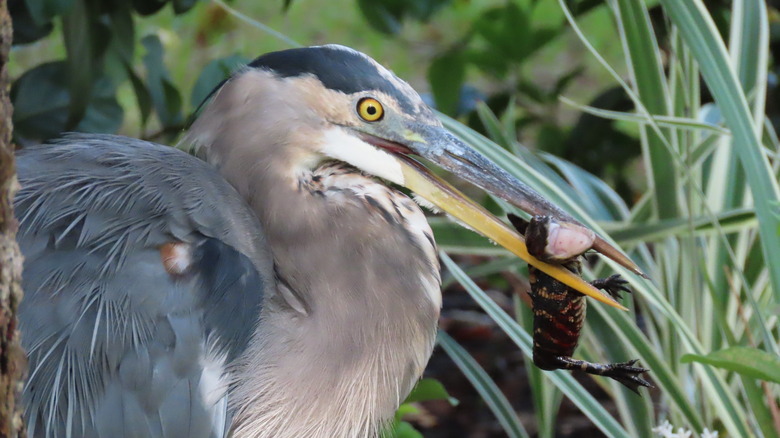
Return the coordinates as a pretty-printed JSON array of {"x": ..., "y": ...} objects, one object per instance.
[
  {"x": 613, "y": 285},
  {"x": 627, "y": 374}
]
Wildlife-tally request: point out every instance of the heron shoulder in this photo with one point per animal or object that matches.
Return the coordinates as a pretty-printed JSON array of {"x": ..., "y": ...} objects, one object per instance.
[{"x": 113, "y": 334}]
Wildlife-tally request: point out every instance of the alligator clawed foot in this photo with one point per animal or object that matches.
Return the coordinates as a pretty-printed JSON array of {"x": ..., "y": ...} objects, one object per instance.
[
  {"x": 613, "y": 285},
  {"x": 627, "y": 374}
]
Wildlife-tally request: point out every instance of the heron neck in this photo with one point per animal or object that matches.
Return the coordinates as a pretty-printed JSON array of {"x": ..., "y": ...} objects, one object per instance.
[
  {"x": 352, "y": 323},
  {"x": 339, "y": 362}
]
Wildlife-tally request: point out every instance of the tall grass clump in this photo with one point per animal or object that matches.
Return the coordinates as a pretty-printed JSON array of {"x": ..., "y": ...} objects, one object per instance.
[{"x": 706, "y": 231}]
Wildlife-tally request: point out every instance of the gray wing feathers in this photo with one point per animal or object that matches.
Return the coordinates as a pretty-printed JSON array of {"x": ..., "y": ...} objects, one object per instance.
[{"x": 117, "y": 346}]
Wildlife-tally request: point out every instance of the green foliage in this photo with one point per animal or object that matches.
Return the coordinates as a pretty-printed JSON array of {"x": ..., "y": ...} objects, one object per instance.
[
  {"x": 79, "y": 92},
  {"x": 502, "y": 45},
  {"x": 425, "y": 390},
  {"x": 166, "y": 99},
  {"x": 712, "y": 269},
  {"x": 499, "y": 42},
  {"x": 487, "y": 389},
  {"x": 429, "y": 389},
  {"x": 213, "y": 74},
  {"x": 446, "y": 75},
  {"x": 42, "y": 101},
  {"x": 750, "y": 362},
  {"x": 387, "y": 16}
]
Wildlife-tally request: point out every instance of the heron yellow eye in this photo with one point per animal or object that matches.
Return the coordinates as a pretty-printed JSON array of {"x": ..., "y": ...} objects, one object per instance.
[{"x": 370, "y": 109}]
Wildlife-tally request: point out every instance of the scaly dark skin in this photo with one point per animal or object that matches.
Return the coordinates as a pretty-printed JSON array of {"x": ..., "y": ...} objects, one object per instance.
[{"x": 559, "y": 312}]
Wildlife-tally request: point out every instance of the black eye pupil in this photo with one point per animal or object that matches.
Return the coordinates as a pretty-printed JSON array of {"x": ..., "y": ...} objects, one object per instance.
[{"x": 371, "y": 110}]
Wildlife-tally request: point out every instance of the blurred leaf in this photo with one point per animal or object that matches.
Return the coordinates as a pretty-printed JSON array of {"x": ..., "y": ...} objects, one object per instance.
[
  {"x": 600, "y": 201},
  {"x": 636, "y": 412},
  {"x": 665, "y": 121},
  {"x": 455, "y": 239},
  {"x": 83, "y": 43},
  {"x": 429, "y": 389},
  {"x": 123, "y": 32},
  {"x": 604, "y": 140},
  {"x": 165, "y": 96},
  {"x": 387, "y": 16},
  {"x": 750, "y": 362},
  {"x": 499, "y": 132},
  {"x": 406, "y": 430},
  {"x": 182, "y": 6},
  {"x": 729, "y": 221},
  {"x": 495, "y": 266},
  {"x": 42, "y": 11},
  {"x": 148, "y": 7},
  {"x": 470, "y": 97},
  {"x": 381, "y": 15},
  {"x": 506, "y": 29},
  {"x": 173, "y": 104},
  {"x": 644, "y": 59},
  {"x": 699, "y": 32},
  {"x": 41, "y": 100},
  {"x": 490, "y": 59},
  {"x": 402, "y": 428},
  {"x": 551, "y": 138},
  {"x": 446, "y": 75},
  {"x": 486, "y": 387},
  {"x": 540, "y": 38},
  {"x": 494, "y": 129},
  {"x": 424, "y": 9},
  {"x": 142, "y": 95},
  {"x": 563, "y": 82},
  {"x": 579, "y": 7},
  {"x": 406, "y": 409},
  {"x": 215, "y": 72},
  {"x": 26, "y": 29},
  {"x": 532, "y": 91}
]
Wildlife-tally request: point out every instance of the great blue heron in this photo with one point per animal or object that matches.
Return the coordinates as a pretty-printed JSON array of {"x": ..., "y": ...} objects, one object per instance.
[{"x": 281, "y": 290}]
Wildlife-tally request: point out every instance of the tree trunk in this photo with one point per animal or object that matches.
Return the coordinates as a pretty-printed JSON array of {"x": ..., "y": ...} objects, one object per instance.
[{"x": 12, "y": 357}]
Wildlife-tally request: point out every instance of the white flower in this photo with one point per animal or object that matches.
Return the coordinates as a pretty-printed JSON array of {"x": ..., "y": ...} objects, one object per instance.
[
  {"x": 681, "y": 433},
  {"x": 664, "y": 429},
  {"x": 707, "y": 434}
]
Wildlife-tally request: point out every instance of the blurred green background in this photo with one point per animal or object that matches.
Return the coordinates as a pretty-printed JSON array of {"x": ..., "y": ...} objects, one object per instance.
[
  {"x": 518, "y": 56},
  {"x": 666, "y": 151}
]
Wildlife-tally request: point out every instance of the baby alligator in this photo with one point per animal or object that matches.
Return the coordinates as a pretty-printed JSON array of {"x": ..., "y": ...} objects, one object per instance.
[{"x": 559, "y": 311}]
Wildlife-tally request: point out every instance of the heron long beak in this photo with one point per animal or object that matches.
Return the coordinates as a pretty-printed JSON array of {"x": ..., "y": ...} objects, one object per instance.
[{"x": 444, "y": 149}]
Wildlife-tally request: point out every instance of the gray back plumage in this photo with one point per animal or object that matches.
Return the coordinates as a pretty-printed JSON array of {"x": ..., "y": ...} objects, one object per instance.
[{"x": 118, "y": 346}]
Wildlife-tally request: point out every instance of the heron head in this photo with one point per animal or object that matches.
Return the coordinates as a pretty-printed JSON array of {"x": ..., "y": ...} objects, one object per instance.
[{"x": 349, "y": 108}]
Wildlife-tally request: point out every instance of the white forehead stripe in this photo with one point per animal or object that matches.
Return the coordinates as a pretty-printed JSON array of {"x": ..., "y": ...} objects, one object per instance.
[{"x": 339, "y": 144}]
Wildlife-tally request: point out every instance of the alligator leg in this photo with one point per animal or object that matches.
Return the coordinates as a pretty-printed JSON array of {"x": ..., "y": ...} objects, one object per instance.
[
  {"x": 624, "y": 372},
  {"x": 613, "y": 285},
  {"x": 559, "y": 311}
]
